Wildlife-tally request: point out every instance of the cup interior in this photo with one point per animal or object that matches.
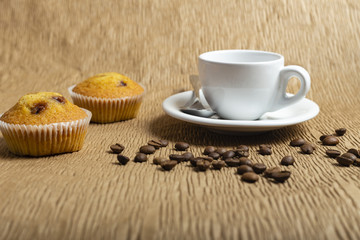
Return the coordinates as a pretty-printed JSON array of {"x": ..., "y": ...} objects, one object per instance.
[{"x": 240, "y": 56}]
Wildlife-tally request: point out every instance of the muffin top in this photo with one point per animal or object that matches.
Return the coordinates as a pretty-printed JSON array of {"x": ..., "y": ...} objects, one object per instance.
[
  {"x": 108, "y": 85},
  {"x": 42, "y": 108}
]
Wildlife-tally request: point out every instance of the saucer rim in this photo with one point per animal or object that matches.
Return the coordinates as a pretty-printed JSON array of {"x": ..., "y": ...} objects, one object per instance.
[{"x": 172, "y": 110}]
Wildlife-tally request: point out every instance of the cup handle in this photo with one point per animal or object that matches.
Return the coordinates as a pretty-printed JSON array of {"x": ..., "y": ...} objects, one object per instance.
[{"x": 282, "y": 100}]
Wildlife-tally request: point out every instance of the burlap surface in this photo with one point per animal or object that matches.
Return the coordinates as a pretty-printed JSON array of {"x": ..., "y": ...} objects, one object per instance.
[{"x": 50, "y": 45}]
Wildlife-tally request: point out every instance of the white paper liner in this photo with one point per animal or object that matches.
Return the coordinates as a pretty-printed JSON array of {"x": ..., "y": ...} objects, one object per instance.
[
  {"x": 106, "y": 110},
  {"x": 47, "y": 139}
]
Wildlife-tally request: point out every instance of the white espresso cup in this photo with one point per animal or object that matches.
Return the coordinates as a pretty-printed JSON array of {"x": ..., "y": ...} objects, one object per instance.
[{"x": 244, "y": 84}]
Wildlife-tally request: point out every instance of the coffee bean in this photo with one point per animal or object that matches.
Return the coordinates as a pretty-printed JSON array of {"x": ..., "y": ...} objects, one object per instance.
[
  {"x": 228, "y": 154},
  {"x": 250, "y": 177},
  {"x": 330, "y": 141},
  {"x": 259, "y": 168},
  {"x": 297, "y": 142},
  {"x": 281, "y": 176},
  {"x": 340, "y": 131},
  {"x": 203, "y": 165},
  {"x": 221, "y": 151},
  {"x": 140, "y": 157},
  {"x": 269, "y": 172},
  {"x": 194, "y": 160},
  {"x": 122, "y": 159},
  {"x": 242, "y": 153},
  {"x": 218, "y": 164},
  {"x": 287, "y": 160},
  {"x": 181, "y": 146},
  {"x": 177, "y": 157},
  {"x": 232, "y": 162},
  {"x": 214, "y": 155},
  {"x": 333, "y": 153},
  {"x": 307, "y": 148},
  {"x": 209, "y": 149},
  {"x": 243, "y": 169},
  {"x": 349, "y": 155},
  {"x": 242, "y": 148},
  {"x": 158, "y": 143},
  {"x": 265, "y": 146},
  {"x": 117, "y": 148},
  {"x": 159, "y": 160},
  {"x": 147, "y": 149},
  {"x": 344, "y": 161},
  {"x": 245, "y": 161},
  {"x": 354, "y": 151},
  {"x": 187, "y": 156},
  {"x": 322, "y": 137},
  {"x": 168, "y": 165},
  {"x": 265, "y": 150}
]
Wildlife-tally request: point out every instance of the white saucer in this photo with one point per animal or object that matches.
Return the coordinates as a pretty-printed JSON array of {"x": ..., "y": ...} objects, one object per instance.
[{"x": 294, "y": 114}]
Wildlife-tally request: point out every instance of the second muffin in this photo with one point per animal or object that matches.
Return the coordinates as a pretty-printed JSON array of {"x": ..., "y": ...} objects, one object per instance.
[{"x": 111, "y": 97}]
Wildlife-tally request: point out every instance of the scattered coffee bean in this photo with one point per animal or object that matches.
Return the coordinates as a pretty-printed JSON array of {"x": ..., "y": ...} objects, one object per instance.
[
  {"x": 307, "y": 148},
  {"x": 117, "y": 148},
  {"x": 250, "y": 177},
  {"x": 218, "y": 164},
  {"x": 242, "y": 148},
  {"x": 203, "y": 165},
  {"x": 243, "y": 169},
  {"x": 340, "y": 131},
  {"x": 245, "y": 161},
  {"x": 265, "y": 146},
  {"x": 281, "y": 176},
  {"x": 322, "y": 137},
  {"x": 297, "y": 142},
  {"x": 194, "y": 160},
  {"x": 228, "y": 154},
  {"x": 177, "y": 157},
  {"x": 232, "y": 162},
  {"x": 168, "y": 165},
  {"x": 140, "y": 157},
  {"x": 354, "y": 151},
  {"x": 214, "y": 155},
  {"x": 181, "y": 146},
  {"x": 333, "y": 153},
  {"x": 159, "y": 160},
  {"x": 122, "y": 159},
  {"x": 344, "y": 161},
  {"x": 259, "y": 168},
  {"x": 221, "y": 151},
  {"x": 242, "y": 153},
  {"x": 209, "y": 149},
  {"x": 158, "y": 143},
  {"x": 287, "y": 160},
  {"x": 330, "y": 141},
  {"x": 269, "y": 172},
  {"x": 187, "y": 156},
  {"x": 147, "y": 149},
  {"x": 349, "y": 155},
  {"x": 265, "y": 150}
]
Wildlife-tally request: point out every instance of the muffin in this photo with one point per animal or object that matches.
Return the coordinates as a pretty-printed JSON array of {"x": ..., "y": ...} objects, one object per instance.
[
  {"x": 44, "y": 123},
  {"x": 110, "y": 97}
]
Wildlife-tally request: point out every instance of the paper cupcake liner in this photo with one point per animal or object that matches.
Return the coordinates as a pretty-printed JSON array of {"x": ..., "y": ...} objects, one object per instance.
[
  {"x": 47, "y": 139},
  {"x": 107, "y": 110}
]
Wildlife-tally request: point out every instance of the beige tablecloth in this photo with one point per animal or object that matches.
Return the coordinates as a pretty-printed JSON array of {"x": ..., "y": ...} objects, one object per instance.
[{"x": 50, "y": 45}]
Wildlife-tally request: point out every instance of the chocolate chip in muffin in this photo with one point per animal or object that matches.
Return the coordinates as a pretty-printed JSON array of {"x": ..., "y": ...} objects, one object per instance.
[
  {"x": 38, "y": 108},
  {"x": 122, "y": 84},
  {"x": 60, "y": 99}
]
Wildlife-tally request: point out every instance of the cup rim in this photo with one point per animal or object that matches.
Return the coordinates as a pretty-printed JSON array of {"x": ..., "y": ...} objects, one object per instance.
[{"x": 206, "y": 58}]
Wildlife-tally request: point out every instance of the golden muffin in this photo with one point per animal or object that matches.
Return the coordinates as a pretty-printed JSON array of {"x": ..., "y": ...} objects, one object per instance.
[
  {"x": 110, "y": 97},
  {"x": 44, "y": 123}
]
